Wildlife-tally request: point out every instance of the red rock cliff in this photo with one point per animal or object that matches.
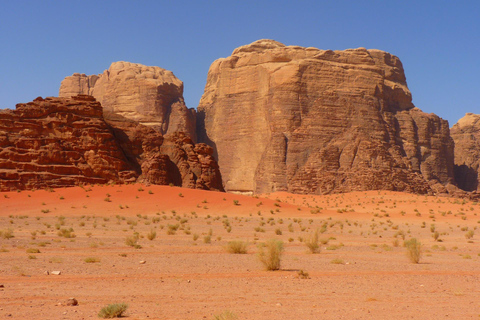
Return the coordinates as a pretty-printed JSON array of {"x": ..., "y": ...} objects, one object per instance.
[
  {"x": 304, "y": 120},
  {"x": 56, "y": 142}
]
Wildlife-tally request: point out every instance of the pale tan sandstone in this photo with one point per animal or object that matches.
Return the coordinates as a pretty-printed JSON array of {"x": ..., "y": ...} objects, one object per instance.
[
  {"x": 151, "y": 96},
  {"x": 466, "y": 134},
  {"x": 77, "y": 84},
  {"x": 304, "y": 120}
]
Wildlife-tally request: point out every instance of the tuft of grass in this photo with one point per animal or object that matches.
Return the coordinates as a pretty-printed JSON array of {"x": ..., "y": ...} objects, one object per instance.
[
  {"x": 6, "y": 234},
  {"x": 237, "y": 247},
  {"x": 469, "y": 234},
  {"x": 414, "y": 250},
  {"x": 270, "y": 254},
  {"x": 132, "y": 241},
  {"x": 303, "y": 274},
  {"x": 337, "y": 261},
  {"x": 33, "y": 250},
  {"x": 66, "y": 233},
  {"x": 92, "y": 260},
  {"x": 115, "y": 310},
  {"x": 207, "y": 239},
  {"x": 225, "y": 315},
  {"x": 312, "y": 242},
  {"x": 151, "y": 235}
]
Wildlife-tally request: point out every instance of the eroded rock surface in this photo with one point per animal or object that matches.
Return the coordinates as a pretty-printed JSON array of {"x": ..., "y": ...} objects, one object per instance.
[
  {"x": 151, "y": 96},
  {"x": 58, "y": 142},
  {"x": 466, "y": 134},
  {"x": 304, "y": 120}
]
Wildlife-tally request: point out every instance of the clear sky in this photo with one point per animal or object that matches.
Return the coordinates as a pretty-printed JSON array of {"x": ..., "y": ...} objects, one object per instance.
[{"x": 44, "y": 41}]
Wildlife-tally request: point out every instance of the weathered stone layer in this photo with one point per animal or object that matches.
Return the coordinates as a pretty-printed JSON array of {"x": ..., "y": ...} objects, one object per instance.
[
  {"x": 58, "y": 142},
  {"x": 466, "y": 134},
  {"x": 151, "y": 96},
  {"x": 306, "y": 120}
]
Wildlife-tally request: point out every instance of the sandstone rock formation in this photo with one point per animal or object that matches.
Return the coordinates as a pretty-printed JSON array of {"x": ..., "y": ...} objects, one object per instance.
[
  {"x": 466, "y": 134},
  {"x": 304, "y": 120},
  {"x": 149, "y": 95},
  {"x": 57, "y": 142},
  {"x": 172, "y": 158}
]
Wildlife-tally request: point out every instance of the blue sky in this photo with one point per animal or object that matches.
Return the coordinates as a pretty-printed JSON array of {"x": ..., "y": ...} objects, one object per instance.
[{"x": 42, "y": 42}]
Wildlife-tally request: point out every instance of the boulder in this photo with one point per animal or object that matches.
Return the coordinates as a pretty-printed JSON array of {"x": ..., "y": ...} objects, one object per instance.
[{"x": 305, "y": 120}]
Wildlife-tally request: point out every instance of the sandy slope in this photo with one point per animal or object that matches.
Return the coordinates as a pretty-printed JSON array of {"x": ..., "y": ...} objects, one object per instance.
[{"x": 185, "y": 278}]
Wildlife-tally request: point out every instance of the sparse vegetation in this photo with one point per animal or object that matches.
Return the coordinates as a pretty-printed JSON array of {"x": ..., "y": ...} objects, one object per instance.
[
  {"x": 237, "y": 247},
  {"x": 270, "y": 254},
  {"x": 414, "y": 250},
  {"x": 312, "y": 242},
  {"x": 225, "y": 315},
  {"x": 115, "y": 310}
]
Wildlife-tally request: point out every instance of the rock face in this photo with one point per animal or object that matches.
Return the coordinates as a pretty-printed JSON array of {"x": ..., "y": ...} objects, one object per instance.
[
  {"x": 151, "y": 96},
  {"x": 466, "y": 134},
  {"x": 57, "y": 142},
  {"x": 306, "y": 120},
  {"x": 170, "y": 159}
]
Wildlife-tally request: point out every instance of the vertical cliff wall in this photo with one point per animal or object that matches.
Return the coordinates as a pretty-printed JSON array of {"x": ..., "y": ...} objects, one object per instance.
[{"x": 304, "y": 120}]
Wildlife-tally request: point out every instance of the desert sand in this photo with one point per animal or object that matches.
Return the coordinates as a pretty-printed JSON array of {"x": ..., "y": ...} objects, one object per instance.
[{"x": 185, "y": 272}]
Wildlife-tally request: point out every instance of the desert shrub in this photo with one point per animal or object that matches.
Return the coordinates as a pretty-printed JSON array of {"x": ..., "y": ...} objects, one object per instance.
[
  {"x": 270, "y": 254},
  {"x": 226, "y": 315},
  {"x": 414, "y": 250},
  {"x": 6, "y": 234},
  {"x": 151, "y": 235},
  {"x": 237, "y": 246},
  {"x": 92, "y": 260},
  {"x": 312, "y": 242},
  {"x": 132, "y": 241},
  {"x": 337, "y": 261},
  {"x": 115, "y": 310},
  {"x": 303, "y": 274},
  {"x": 66, "y": 233},
  {"x": 469, "y": 234},
  {"x": 33, "y": 250},
  {"x": 207, "y": 239}
]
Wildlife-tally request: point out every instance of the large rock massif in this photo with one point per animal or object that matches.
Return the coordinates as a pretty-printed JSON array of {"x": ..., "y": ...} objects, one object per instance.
[
  {"x": 57, "y": 142},
  {"x": 466, "y": 134},
  {"x": 149, "y": 95},
  {"x": 304, "y": 120}
]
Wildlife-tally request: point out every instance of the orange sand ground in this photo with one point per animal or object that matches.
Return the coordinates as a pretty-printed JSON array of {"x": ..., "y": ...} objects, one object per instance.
[{"x": 362, "y": 272}]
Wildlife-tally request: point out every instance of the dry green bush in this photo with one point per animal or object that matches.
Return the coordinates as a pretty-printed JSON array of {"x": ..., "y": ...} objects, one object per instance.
[
  {"x": 414, "y": 250},
  {"x": 237, "y": 246},
  {"x": 151, "y": 235},
  {"x": 6, "y": 234},
  {"x": 270, "y": 254},
  {"x": 132, "y": 241},
  {"x": 312, "y": 242},
  {"x": 115, "y": 310},
  {"x": 226, "y": 315}
]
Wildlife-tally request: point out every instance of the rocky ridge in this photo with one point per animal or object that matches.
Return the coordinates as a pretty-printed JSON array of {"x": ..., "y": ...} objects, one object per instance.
[{"x": 305, "y": 120}]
